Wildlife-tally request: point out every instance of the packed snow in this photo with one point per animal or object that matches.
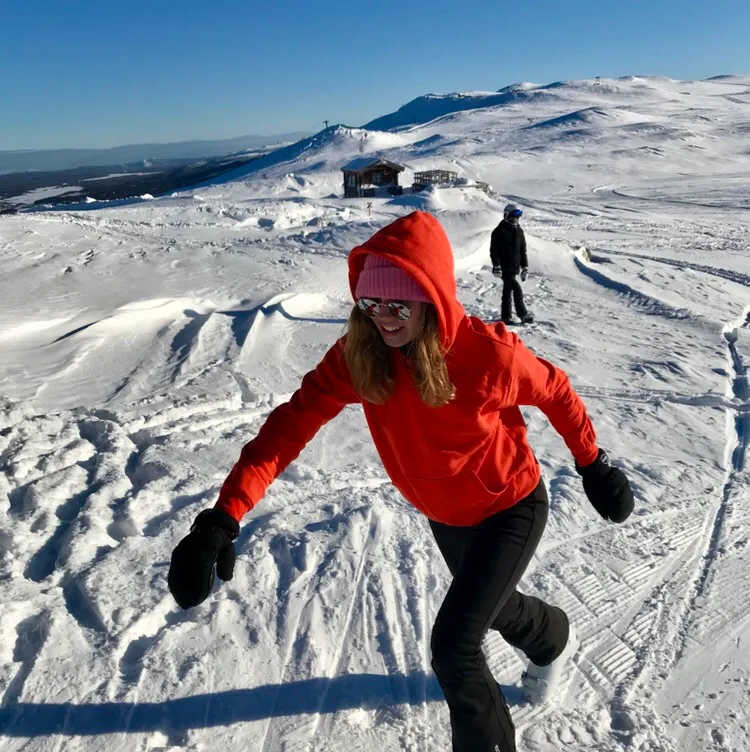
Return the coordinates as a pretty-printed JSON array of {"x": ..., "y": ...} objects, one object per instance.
[{"x": 142, "y": 345}]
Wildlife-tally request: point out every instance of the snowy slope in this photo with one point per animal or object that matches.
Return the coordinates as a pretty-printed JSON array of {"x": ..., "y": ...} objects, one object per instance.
[{"x": 141, "y": 346}]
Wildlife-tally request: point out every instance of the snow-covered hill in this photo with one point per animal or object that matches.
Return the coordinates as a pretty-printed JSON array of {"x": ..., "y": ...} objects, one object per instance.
[{"x": 141, "y": 346}]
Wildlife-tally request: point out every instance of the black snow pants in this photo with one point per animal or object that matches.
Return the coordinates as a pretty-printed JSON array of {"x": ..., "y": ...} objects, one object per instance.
[
  {"x": 487, "y": 562},
  {"x": 512, "y": 288}
]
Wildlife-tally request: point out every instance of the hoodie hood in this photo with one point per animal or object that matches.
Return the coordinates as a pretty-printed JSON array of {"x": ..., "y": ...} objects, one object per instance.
[{"x": 418, "y": 244}]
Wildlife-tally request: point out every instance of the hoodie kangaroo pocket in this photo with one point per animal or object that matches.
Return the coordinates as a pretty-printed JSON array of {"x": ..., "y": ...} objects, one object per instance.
[{"x": 449, "y": 498}]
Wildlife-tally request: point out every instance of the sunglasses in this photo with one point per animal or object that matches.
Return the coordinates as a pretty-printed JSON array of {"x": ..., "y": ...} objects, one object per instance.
[{"x": 372, "y": 308}]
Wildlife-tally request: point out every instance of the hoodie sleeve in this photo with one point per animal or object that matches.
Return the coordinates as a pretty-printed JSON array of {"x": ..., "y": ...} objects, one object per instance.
[
  {"x": 322, "y": 395},
  {"x": 524, "y": 259},
  {"x": 534, "y": 381},
  {"x": 494, "y": 248}
]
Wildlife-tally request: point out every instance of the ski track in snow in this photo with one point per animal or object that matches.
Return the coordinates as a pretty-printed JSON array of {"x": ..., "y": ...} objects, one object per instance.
[
  {"x": 634, "y": 664},
  {"x": 733, "y": 276}
]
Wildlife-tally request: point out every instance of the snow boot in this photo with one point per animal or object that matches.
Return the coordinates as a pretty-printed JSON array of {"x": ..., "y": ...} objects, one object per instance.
[
  {"x": 527, "y": 319},
  {"x": 507, "y": 320},
  {"x": 540, "y": 682}
]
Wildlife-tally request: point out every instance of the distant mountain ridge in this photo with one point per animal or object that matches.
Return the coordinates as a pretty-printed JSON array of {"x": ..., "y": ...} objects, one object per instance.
[
  {"x": 432, "y": 106},
  {"x": 65, "y": 159}
]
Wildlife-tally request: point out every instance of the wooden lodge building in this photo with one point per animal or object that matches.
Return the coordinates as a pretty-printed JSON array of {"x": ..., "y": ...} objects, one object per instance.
[{"x": 365, "y": 176}]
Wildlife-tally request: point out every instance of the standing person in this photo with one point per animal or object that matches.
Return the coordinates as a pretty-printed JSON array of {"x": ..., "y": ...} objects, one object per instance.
[
  {"x": 508, "y": 255},
  {"x": 440, "y": 392}
]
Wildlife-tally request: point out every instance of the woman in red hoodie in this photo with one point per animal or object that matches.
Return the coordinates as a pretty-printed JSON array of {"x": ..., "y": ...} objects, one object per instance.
[{"x": 441, "y": 393}]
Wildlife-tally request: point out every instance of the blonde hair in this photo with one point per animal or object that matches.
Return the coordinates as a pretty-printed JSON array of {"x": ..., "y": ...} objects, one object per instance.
[{"x": 369, "y": 361}]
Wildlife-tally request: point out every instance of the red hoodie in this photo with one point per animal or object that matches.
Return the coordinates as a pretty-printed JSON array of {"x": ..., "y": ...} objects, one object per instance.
[{"x": 458, "y": 463}]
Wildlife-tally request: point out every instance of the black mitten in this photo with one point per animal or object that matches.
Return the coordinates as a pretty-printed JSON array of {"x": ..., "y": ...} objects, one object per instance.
[
  {"x": 607, "y": 488},
  {"x": 208, "y": 548},
  {"x": 497, "y": 271}
]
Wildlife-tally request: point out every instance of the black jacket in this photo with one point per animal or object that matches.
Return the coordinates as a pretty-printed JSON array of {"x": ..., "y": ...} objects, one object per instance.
[{"x": 508, "y": 248}]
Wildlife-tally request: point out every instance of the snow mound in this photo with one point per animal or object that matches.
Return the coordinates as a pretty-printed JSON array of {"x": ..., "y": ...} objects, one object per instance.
[{"x": 592, "y": 116}]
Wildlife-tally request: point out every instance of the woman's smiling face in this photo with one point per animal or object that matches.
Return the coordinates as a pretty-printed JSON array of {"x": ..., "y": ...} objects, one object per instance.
[{"x": 396, "y": 331}]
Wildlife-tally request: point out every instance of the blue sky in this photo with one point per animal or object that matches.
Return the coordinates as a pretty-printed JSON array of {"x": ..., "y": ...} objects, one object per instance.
[{"x": 75, "y": 73}]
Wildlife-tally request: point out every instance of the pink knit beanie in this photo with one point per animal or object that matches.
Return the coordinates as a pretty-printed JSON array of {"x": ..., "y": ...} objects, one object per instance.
[{"x": 382, "y": 279}]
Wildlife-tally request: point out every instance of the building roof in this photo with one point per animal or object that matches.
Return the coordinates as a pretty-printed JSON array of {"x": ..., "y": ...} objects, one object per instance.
[{"x": 363, "y": 163}]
